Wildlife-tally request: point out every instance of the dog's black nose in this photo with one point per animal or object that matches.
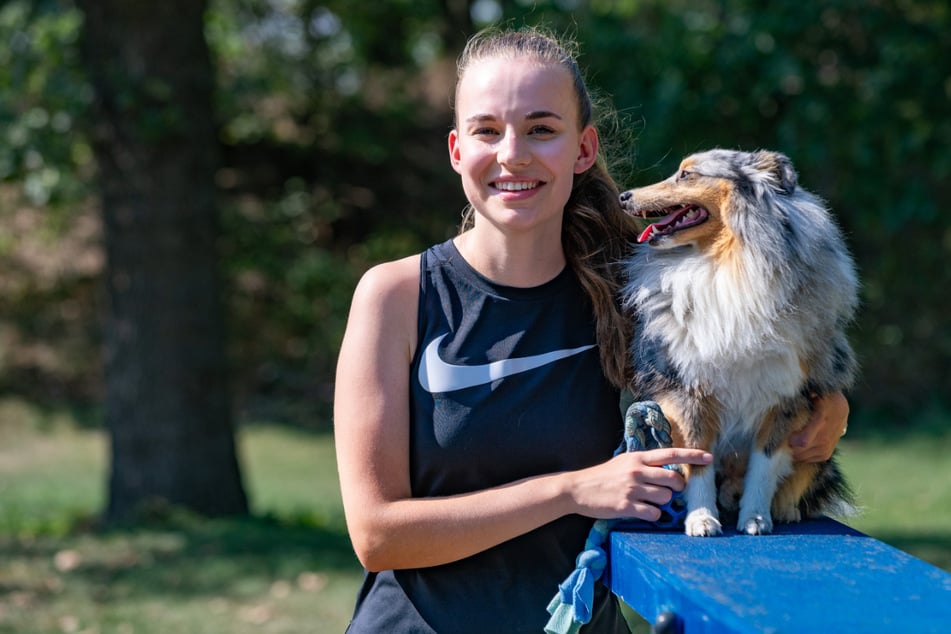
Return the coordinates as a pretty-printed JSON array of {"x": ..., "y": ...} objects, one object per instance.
[{"x": 625, "y": 196}]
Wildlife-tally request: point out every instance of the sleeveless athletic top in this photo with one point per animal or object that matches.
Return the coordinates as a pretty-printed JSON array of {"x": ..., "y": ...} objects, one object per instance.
[{"x": 506, "y": 383}]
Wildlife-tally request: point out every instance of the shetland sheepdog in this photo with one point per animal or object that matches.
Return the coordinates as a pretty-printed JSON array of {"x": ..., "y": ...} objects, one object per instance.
[{"x": 741, "y": 288}]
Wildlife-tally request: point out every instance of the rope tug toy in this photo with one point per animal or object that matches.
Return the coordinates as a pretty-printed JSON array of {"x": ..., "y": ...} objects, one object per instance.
[{"x": 644, "y": 428}]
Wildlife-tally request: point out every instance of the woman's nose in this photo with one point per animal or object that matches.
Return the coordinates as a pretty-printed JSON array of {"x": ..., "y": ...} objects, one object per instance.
[{"x": 513, "y": 150}]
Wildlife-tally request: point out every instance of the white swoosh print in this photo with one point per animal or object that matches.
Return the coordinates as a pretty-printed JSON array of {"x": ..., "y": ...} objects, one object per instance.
[{"x": 436, "y": 375}]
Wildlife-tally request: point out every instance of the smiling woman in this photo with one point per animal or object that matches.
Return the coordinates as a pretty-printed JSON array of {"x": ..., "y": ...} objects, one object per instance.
[
  {"x": 469, "y": 477},
  {"x": 517, "y": 146}
]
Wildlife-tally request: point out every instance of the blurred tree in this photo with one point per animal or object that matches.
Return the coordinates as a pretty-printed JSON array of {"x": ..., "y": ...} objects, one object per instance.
[{"x": 167, "y": 402}]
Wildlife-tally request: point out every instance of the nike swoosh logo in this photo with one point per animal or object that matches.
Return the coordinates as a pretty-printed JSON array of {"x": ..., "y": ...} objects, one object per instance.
[{"x": 436, "y": 375}]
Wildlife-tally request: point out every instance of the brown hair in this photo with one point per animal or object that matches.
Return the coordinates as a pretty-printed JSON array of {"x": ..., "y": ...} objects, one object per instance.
[{"x": 595, "y": 230}]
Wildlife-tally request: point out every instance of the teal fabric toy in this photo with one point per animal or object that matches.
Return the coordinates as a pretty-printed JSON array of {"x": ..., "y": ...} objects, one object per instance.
[{"x": 644, "y": 428}]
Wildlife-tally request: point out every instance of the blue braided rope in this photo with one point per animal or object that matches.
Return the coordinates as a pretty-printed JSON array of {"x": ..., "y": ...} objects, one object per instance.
[{"x": 644, "y": 428}]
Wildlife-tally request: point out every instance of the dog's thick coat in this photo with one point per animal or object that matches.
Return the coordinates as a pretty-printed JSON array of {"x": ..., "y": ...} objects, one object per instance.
[{"x": 741, "y": 291}]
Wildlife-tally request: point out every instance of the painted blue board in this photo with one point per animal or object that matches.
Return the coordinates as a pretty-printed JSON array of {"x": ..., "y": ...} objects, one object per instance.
[{"x": 815, "y": 576}]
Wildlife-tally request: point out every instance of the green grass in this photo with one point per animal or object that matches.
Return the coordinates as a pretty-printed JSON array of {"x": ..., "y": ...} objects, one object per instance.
[
  {"x": 904, "y": 488},
  {"x": 289, "y": 568}
]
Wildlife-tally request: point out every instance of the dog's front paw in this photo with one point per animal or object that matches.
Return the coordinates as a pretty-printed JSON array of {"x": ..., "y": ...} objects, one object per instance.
[
  {"x": 755, "y": 523},
  {"x": 702, "y": 523}
]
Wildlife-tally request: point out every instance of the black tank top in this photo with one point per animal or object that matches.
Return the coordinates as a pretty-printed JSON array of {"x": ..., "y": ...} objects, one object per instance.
[{"x": 505, "y": 384}]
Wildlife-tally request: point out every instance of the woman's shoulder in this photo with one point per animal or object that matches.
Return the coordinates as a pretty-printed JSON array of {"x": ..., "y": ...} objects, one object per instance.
[
  {"x": 386, "y": 298},
  {"x": 396, "y": 276}
]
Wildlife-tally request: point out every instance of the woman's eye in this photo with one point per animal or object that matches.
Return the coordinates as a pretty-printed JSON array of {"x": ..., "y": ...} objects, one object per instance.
[
  {"x": 483, "y": 132},
  {"x": 542, "y": 129}
]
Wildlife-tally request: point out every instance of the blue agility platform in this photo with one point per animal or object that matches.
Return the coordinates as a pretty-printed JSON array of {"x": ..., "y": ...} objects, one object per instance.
[{"x": 810, "y": 577}]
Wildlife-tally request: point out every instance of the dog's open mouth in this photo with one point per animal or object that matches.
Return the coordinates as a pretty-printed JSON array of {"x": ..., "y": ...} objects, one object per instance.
[{"x": 674, "y": 219}]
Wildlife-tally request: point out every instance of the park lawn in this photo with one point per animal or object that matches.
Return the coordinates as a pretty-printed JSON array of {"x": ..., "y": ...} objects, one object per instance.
[
  {"x": 289, "y": 568},
  {"x": 904, "y": 489}
]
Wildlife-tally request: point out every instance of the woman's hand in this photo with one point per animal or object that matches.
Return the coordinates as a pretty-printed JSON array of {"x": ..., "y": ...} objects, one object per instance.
[
  {"x": 817, "y": 440},
  {"x": 632, "y": 484}
]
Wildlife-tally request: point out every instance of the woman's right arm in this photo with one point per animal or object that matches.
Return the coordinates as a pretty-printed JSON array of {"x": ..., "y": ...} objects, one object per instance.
[{"x": 389, "y": 528}]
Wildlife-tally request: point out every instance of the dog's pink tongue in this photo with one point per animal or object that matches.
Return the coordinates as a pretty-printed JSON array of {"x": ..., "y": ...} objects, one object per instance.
[{"x": 646, "y": 234}]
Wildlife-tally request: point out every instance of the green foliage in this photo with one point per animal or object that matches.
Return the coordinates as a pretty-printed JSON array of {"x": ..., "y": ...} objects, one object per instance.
[
  {"x": 312, "y": 99},
  {"x": 289, "y": 303},
  {"x": 42, "y": 95},
  {"x": 333, "y": 118}
]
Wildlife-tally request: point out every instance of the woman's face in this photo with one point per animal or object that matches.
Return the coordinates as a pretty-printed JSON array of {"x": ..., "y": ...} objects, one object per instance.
[{"x": 517, "y": 143}]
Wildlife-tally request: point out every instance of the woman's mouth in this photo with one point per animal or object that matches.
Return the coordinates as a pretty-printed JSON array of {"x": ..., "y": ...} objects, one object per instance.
[{"x": 515, "y": 186}]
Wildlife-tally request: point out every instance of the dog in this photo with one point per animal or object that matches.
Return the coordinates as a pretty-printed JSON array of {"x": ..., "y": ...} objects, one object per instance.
[{"x": 741, "y": 289}]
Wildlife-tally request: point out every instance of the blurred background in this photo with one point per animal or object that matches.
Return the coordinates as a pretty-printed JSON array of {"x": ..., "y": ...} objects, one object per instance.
[
  {"x": 331, "y": 121},
  {"x": 189, "y": 191}
]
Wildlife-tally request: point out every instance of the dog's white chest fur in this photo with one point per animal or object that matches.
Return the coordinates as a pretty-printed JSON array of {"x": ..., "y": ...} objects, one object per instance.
[{"x": 725, "y": 331}]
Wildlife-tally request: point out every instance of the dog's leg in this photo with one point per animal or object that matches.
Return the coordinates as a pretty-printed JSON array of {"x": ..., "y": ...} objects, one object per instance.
[
  {"x": 762, "y": 477},
  {"x": 694, "y": 424},
  {"x": 791, "y": 491},
  {"x": 770, "y": 463},
  {"x": 786, "y": 501},
  {"x": 702, "y": 520}
]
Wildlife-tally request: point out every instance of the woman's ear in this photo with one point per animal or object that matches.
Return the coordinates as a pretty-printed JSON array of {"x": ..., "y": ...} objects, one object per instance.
[
  {"x": 454, "y": 155},
  {"x": 587, "y": 150}
]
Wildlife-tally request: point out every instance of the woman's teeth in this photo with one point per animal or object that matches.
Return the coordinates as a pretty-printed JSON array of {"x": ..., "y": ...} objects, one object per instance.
[{"x": 516, "y": 187}]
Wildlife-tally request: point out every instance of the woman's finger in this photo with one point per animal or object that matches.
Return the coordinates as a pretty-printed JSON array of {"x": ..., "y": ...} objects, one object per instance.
[
  {"x": 677, "y": 455},
  {"x": 656, "y": 494}
]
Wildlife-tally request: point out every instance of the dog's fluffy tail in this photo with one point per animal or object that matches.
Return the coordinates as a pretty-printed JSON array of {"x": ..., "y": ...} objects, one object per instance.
[{"x": 829, "y": 494}]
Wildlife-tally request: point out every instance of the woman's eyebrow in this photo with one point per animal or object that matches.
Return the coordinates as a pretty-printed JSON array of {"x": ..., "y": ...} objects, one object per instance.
[
  {"x": 542, "y": 114},
  {"x": 534, "y": 114},
  {"x": 479, "y": 118}
]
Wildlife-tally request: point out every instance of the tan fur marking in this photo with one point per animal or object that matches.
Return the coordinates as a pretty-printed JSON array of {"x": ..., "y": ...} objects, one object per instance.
[
  {"x": 726, "y": 246},
  {"x": 699, "y": 436},
  {"x": 712, "y": 235},
  {"x": 804, "y": 367},
  {"x": 773, "y": 430},
  {"x": 785, "y": 507},
  {"x": 768, "y": 162}
]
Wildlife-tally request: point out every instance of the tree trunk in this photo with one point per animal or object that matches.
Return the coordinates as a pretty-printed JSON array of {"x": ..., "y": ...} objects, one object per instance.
[{"x": 167, "y": 401}]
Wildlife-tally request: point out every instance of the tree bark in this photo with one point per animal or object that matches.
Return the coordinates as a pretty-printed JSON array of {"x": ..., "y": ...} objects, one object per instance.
[{"x": 167, "y": 396}]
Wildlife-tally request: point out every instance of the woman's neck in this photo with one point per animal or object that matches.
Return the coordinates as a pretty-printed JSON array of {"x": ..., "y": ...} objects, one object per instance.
[{"x": 522, "y": 261}]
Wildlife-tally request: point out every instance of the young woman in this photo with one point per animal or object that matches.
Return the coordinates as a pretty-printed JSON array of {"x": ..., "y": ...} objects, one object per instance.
[{"x": 477, "y": 395}]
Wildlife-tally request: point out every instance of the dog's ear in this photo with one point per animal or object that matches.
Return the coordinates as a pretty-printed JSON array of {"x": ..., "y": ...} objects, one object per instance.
[{"x": 780, "y": 168}]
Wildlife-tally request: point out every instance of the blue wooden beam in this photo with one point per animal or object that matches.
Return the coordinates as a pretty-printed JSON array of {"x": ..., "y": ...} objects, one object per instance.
[{"x": 813, "y": 577}]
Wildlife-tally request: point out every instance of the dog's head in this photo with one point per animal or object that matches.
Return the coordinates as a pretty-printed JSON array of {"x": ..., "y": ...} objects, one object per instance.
[{"x": 700, "y": 203}]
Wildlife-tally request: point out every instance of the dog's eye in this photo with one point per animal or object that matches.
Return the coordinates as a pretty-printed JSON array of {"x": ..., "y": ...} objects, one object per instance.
[{"x": 684, "y": 174}]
